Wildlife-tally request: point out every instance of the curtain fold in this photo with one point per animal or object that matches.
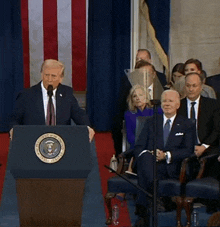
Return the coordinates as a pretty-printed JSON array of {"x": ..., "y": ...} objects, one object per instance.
[
  {"x": 108, "y": 56},
  {"x": 11, "y": 70}
]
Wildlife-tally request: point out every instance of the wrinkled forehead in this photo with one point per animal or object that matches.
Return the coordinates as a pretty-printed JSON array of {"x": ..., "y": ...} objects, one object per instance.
[
  {"x": 143, "y": 55},
  {"x": 170, "y": 95},
  {"x": 147, "y": 68},
  {"x": 193, "y": 79}
]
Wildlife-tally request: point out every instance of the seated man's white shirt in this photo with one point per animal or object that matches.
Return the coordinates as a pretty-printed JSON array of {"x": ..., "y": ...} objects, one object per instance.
[
  {"x": 168, "y": 159},
  {"x": 196, "y": 107}
]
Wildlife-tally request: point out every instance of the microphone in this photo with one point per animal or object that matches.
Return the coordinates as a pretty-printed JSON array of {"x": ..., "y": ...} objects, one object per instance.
[{"x": 50, "y": 90}]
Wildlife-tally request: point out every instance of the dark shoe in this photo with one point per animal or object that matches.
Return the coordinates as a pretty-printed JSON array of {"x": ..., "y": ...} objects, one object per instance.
[
  {"x": 144, "y": 216},
  {"x": 141, "y": 222},
  {"x": 168, "y": 204}
]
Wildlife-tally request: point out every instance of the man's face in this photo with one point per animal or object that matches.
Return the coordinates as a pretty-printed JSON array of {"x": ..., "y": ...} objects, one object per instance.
[
  {"x": 51, "y": 76},
  {"x": 193, "y": 87},
  {"x": 170, "y": 103},
  {"x": 191, "y": 68},
  {"x": 149, "y": 72},
  {"x": 143, "y": 55}
]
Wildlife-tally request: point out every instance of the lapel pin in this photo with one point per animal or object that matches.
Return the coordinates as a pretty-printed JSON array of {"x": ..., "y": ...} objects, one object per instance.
[{"x": 61, "y": 95}]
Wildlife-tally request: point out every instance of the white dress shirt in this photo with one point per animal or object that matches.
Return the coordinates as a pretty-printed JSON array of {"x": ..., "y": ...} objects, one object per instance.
[
  {"x": 46, "y": 98},
  {"x": 168, "y": 154},
  {"x": 196, "y": 107}
]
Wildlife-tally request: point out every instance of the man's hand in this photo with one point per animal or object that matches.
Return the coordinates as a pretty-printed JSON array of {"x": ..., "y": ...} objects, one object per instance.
[
  {"x": 160, "y": 155},
  {"x": 11, "y": 133},
  {"x": 199, "y": 150},
  {"x": 91, "y": 133}
]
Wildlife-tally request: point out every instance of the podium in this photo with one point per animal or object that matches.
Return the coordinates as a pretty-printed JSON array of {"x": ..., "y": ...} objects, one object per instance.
[{"x": 50, "y": 194}]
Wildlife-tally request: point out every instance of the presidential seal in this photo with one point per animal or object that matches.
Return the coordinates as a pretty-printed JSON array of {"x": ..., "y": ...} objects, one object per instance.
[{"x": 49, "y": 148}]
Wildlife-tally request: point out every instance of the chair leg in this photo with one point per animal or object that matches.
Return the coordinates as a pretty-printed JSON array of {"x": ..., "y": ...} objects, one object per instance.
[
  {"x": 179, "y": 205},
  {"x": 108, "y": 200},
  {"x": 187, "y": 203}
]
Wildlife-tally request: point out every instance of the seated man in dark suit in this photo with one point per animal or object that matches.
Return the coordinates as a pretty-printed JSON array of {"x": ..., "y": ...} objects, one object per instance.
[
  {"x": 174, "y": 142},
  {"x": 204, "y": 112},
  {"x": 206, "y": 115},
  {"x": 121, "y": 105},
  {"x": 31, "y": 107}
]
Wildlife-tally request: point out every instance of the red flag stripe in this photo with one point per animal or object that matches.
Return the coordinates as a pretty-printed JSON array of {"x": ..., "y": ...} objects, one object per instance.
[
  {"x": 25, "y": 38},
  {"x": 50, "y": 29},
  {"x": 79, "y": 45},
  {"x": 43, "y": 27}
]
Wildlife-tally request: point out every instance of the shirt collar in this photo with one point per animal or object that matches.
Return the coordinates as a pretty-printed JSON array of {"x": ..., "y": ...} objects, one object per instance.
[
  {"x": 171, "y": 119},
  {"x": 196, "y": 101},
  {"x": 44, "y": 90}
]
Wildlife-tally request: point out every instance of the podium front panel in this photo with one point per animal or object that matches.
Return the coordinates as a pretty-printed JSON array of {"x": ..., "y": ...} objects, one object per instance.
[{"x": 75, "y": 163}]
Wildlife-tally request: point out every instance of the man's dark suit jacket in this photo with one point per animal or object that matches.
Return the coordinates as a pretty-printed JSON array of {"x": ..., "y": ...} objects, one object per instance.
[
  {"x": 208, "y": 125},
  {"x": 180, "y": 143},
  {"x": 29, "y": 108},
  {"x": 121, "y": 107},
  {"x": 214, "y": 82}
]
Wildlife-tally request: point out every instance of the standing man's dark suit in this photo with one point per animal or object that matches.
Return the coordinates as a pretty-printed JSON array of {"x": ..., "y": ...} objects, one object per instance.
[
  {"x": 49, "y": 102},
  {"x": 29, "y": 108},
  {"x": 208, "y": 122},
  {"x": 180, "y": 143}
]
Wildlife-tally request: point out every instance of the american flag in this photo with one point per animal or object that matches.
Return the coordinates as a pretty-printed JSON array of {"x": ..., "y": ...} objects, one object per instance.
[{"x": 54, "y": 29}]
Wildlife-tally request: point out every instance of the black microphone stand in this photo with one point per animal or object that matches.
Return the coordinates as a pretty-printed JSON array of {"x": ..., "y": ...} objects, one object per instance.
[{"x": 155, "y": 103}]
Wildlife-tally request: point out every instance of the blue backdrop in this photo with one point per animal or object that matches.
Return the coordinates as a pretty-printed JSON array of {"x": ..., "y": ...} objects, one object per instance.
[
  {"x": 108, "y": 56},
  {"x": 11, "y": 70}
]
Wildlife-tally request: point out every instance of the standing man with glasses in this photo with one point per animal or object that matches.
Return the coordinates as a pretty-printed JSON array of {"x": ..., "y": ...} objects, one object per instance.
[{"x": 49, "y": 101}]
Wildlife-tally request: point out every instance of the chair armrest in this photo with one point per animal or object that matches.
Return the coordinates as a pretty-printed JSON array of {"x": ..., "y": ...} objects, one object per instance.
[
  {"x": 204, "y": 161},
  {"x": 122, "y": 164},
  {"x": 123, "y": 161},
  {"x": 183, "y": 170}
]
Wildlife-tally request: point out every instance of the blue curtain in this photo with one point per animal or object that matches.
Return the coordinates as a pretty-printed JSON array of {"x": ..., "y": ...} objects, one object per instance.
[
  {"x": 108, "y": 56},
  {"x": 11, "y": 58},
  {"x": 159, "y": 12}
]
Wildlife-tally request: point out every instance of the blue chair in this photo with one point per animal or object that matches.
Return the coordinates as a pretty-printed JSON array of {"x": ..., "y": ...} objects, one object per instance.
[
  {"x": 169, "y": 188},
  {"x": 204, "y": 186}
]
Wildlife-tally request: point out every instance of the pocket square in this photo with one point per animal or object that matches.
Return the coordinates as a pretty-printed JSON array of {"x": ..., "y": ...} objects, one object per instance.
[{"x": 179, "y": 134}]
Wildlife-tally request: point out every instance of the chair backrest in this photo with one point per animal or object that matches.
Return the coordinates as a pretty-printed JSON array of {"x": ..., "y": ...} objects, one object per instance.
[
  {"x": 125, "y": 144},
  {"x": 139, "y": 125}
]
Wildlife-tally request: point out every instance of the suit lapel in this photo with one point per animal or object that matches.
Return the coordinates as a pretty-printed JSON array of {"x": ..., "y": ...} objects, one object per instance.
[
  {"x": 157, "y": 89},
  {"x": 160, "y": 143},
  {"x": 200, "y": 113},
  {"x": 39, "y": 106},
  {"x": 175, "y": 128},
  {"x": 183, "y": 109},
  {"x": 59, "y": 102}
]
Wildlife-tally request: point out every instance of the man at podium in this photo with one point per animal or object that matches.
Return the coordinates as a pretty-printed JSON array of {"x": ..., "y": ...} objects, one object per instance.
[{"x": 49, "y": 102}]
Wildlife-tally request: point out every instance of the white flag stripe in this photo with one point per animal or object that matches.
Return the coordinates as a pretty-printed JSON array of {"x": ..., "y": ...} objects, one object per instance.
[
  {"x": 35, "y": 11},
  {"x": 64, "y": 18}
]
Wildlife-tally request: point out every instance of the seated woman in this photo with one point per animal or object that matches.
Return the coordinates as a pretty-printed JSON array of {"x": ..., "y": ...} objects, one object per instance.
[
  {"x": 139, "y": 105},
  {"x": 178, "y": 79}
]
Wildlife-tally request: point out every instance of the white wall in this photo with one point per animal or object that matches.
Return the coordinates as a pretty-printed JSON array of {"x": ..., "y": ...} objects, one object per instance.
[{"x": 195, "y": 33}]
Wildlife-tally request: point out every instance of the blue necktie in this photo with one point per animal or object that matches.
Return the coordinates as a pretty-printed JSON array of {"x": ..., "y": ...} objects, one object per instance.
[{"x": 166, "y": 131}]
